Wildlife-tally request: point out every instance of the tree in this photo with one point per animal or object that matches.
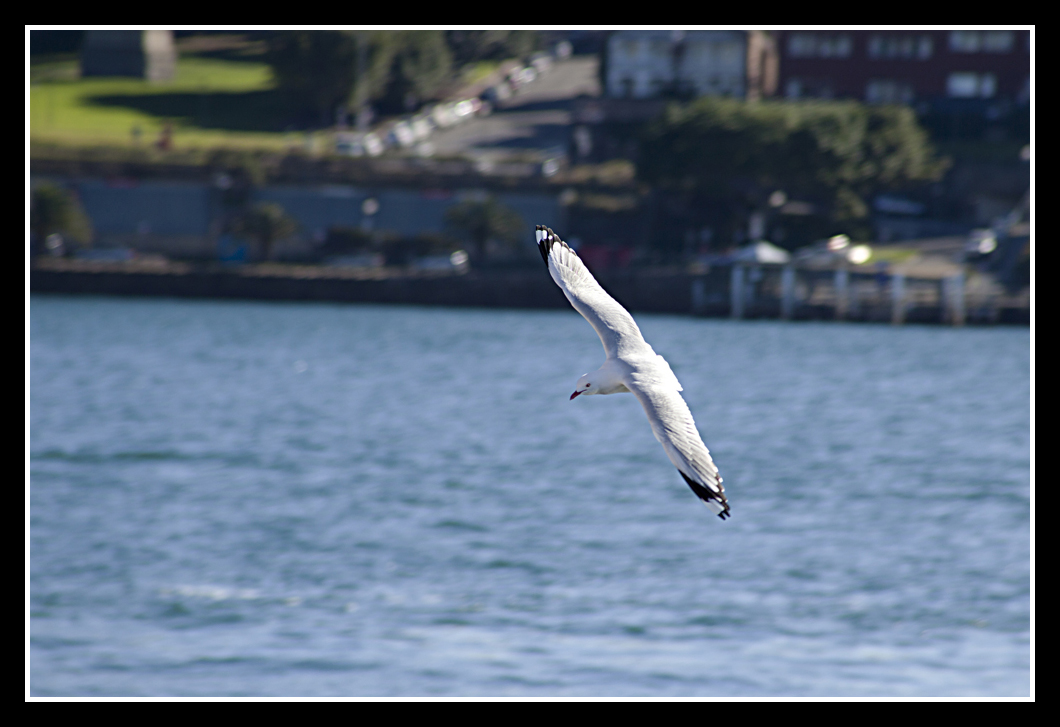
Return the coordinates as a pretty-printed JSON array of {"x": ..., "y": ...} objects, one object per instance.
[
  {"x": 321, "y": 69},
  {"x": 480, "y": 222},
  {"x": 266, "y": 222},
  {"x": 838, "y": 154},
  {"x": 55, "y": 210},
  {"x": 470, "y": 46},
  {"x": 420, "y": 65}
]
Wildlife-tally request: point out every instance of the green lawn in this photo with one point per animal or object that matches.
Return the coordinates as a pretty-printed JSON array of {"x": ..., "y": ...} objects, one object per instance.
[{"x": 211, "y": 103}]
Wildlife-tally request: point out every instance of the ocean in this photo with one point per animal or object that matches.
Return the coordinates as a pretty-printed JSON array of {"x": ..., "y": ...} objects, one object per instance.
[{"x": 318, "y": 500}]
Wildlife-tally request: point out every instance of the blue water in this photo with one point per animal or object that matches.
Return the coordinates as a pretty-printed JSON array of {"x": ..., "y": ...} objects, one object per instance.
[{"x": 235, "y": 498}]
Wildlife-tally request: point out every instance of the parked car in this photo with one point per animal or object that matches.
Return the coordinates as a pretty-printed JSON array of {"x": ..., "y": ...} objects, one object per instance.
[
  {"x": 421, "y": 127},
  {"x": 357, "y": 145},
  {"x": 401, "y": 134},
  {"x": 497, "y": 93},
  {"x": 541, "y": 62}
]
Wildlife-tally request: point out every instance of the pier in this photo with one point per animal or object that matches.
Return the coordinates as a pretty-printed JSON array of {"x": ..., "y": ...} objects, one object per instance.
[{"x": 846, "y": 293}]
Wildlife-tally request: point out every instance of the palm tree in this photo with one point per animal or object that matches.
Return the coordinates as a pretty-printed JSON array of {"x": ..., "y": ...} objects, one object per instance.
[
  {"x": 267, "y": 222},
  {"x": 482, "y": 221}
]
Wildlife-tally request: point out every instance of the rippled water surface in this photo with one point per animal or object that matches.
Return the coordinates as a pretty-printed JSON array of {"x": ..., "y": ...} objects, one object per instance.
[{"x": 236, "y": 498}]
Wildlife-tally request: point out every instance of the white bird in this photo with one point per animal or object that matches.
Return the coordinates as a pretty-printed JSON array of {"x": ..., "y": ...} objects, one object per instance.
[{"x": 633, "y": 366}]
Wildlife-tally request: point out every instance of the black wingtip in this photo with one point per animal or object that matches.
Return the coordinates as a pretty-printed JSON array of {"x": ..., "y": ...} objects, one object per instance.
[
  {"x": 550, "y": 239},
  {"x": 543, "y": 246},
  {"x": 706, "y": 495}
]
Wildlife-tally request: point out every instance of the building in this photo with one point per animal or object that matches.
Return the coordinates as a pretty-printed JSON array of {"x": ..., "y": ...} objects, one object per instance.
[
  {"x": 906, "y": 66},
  {"x": 148, "y": 54},
  {"x": 642, "y": 70},
  {"x": 646, "y": 64}
]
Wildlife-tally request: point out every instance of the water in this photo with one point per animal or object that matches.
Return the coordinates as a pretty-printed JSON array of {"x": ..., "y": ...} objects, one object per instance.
[{"x": 322, "y": 500}]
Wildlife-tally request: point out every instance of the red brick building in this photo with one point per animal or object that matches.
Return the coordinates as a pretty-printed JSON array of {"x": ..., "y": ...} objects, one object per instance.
[{"x": 906, "y": 65}]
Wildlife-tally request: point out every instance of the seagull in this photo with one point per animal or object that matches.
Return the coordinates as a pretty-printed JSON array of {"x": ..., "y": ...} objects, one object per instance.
[{"x": 632, "y": 366}]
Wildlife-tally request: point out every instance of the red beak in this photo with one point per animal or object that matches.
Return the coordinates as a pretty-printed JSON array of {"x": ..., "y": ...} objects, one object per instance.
[{"x": 574, "y": 395}]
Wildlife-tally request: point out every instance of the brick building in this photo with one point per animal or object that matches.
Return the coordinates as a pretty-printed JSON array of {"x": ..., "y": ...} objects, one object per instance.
[{"x": 907, "y": 65}]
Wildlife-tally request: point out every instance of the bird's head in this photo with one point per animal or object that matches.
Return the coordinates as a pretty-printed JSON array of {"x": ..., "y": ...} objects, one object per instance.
[{"x": 584, "y": 386}]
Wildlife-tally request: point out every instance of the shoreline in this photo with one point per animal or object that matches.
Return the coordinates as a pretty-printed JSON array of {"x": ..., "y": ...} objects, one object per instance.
[{"x": 670, "y": 291}]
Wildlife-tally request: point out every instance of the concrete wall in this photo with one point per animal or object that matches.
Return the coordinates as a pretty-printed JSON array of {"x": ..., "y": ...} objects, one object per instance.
[
  {"x": 181, "y": 218},
  {"x": 404, "y": 211}
]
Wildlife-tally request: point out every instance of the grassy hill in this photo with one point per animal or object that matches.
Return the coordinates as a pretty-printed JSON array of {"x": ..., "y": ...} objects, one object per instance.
[{"x": 212, "y": 102}]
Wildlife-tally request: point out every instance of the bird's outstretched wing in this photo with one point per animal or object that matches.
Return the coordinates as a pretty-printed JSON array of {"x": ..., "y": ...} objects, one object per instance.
[
  {"x": 674, "y": 427},
  {"x": 615, "y": 326},
  {"x": 651, "y": 380}
]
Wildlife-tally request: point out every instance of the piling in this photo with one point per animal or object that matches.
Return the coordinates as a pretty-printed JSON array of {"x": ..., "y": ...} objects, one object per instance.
[
  {"x": 787, "y": 292},
  {"x": 736, "y": 291},
  {"x": 842, "y": 293},
  {"x": 898, "y": 298},
  {"x": 699, "y": 296},
  {"x": 953, "y": 300}
]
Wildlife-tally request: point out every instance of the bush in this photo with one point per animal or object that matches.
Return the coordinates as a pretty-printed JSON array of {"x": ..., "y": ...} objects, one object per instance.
[
  {"x": 403, "y": 250},
  {"x": 266, "y": 222},
  {"x": 55, "y": 210},
  {"x": 482, "y": 222},
  {"x": 836, "y": 154}
]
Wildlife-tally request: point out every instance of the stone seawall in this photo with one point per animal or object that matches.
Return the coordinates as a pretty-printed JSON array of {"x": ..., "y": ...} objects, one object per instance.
[
  {"x": 651, "y": 292},
  {"x": 756, "y": 292}
]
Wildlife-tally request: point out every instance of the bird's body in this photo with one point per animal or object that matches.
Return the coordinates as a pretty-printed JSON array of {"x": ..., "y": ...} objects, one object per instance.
[{"x": 633, "y": 366}]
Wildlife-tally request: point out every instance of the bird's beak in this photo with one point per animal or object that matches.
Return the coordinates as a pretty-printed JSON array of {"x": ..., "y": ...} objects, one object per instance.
[{"x": 574, "y": 395}]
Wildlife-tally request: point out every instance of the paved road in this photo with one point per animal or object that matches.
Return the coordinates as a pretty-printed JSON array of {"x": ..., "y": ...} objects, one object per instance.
[{"x": 535, "y": 122}]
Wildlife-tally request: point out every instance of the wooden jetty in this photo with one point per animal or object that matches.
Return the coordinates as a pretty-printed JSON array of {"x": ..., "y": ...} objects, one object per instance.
[{"x": 847, "y": 293}]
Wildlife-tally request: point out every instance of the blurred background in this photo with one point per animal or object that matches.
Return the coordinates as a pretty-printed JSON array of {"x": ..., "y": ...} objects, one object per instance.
[
  {"x": 643, "y": 148},
  {"x": 243, "y": 485}
]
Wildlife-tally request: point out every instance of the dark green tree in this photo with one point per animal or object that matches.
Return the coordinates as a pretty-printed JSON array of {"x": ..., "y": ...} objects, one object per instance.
[
  {"x": 480, "y": 222},
  {"x": 838, "y": 154},
  {"x": 421, "y": 64},
  {"x": 321, "y": 69},
  {"x": 55, "y": 210},
  {"x": 266, "y": 222},
  {"x": 470, "y": 46}
]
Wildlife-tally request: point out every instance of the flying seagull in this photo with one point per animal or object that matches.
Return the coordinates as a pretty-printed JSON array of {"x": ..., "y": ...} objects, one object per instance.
[{"x": 633, "y": 366}]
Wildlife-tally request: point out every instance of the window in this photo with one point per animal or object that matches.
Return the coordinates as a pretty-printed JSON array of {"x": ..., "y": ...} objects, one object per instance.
[
  {"x": 838, "y": 46},
  {"x": 900, "y": 46},
  {"x": 987, "y": 41},
  {"x": 924, "y": 47},
  {"x": 1024, "y": 96},
  {"x": 963, "y": 85},
  {"x": 888, "y": 91},
  {"x": 814, "y": 45},
  {"x": 629, "y": 47},
  {"x": 809, "y": 88},
  {"x": 987, "y": 85},
  {"x": 730, "y": 53},
  {"x": 802, "y": 45},
  {"x": 971, "y": 85},
  {"x": 998, "y": 41},
  {"x": 965, "y": 41}
]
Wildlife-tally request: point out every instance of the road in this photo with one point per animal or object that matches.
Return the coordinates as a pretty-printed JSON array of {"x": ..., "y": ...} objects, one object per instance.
[{"x": 533, "y": 124}]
